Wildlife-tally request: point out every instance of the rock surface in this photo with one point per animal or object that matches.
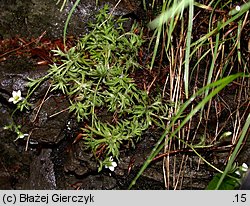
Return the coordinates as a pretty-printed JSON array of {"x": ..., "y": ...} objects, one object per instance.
[
  {"x": 42, "y": 175},
  {"x": 33, "y": 17}
]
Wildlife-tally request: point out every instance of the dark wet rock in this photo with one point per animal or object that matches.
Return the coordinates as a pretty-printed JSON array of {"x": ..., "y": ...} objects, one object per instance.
[
  {"x": 43, "y": 129},
  {"x": 100, "y": 182},
  {"x": 14, "y": 162},
  {"x": 80, "y": 161},
  {"x": 28, "y": 18},
  {"x": 32, "y": 18},
  {"x": 75, "y": 166},
  {"x": 14, "y": 74},
  {"x": 125, "y": 7},
  {"x": 42, "y": 174},
  {"x": 5, "y": 119},
  {"x": 155, "y": 173},
  {"x": 92, "y": 182},
  {"x": 46, "y": 128},
  {"x": 5, "y": 180}
]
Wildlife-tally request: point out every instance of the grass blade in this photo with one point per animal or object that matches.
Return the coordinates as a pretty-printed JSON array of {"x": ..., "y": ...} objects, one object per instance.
[
  {"x": 188, "y": 43},
  {"x": 164, "y": 17},
  {"x": 67, "y": 21}
]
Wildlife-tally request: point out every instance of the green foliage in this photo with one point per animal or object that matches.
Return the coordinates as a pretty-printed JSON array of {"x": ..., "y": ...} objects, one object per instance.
[
  {"x": 227, "y": 184},
  {"x": 217, "y": 86},
  {"x": 16, "y": 129},
  {"x": 95, "y": 76},
  {"x": 230, "y": 181}
]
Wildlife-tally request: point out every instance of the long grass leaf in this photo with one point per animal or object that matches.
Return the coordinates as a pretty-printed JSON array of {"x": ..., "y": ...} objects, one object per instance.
[
  {"x": 211, "y": 70},
  {"x": 67, "y": 21},
  {"x": 158, "y": 37},
  {"x": 187, "y": 53},
  {"x": 164, "y": 17}
]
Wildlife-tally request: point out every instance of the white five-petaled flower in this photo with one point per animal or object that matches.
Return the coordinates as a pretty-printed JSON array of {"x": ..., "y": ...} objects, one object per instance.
[
  {"x": 112, "y": 164},
  {"x": 16, "y": 97},
  {"x": 237, "y": 8},
  {"x": 243, "y": 169}
]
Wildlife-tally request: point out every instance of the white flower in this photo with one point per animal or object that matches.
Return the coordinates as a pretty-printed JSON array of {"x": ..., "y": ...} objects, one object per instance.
[
  {"x": 244, "y": 167},
  {"x": 16, "y": 97},
  {"x": 237, "y": 8},
  {"x": 112, "y": 164}
]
